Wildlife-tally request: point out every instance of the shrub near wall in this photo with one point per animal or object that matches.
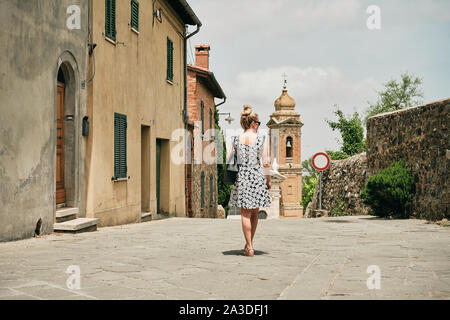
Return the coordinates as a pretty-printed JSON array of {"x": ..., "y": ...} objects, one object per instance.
[{"x": 391, "y": 191}]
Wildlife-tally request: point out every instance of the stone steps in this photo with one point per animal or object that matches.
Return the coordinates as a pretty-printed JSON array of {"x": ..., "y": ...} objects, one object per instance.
[
  {"x": 66, "y": 214},
  {"x": 77, "y": 225},
  {"x": 67, "y": 221},
  {"x": 146, "y": 216}
]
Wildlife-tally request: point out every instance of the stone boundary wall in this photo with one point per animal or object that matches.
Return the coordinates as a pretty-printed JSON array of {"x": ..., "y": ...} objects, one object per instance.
[
  {"x": 420, "y": 137},
  {"x": 343, "y": 180}
]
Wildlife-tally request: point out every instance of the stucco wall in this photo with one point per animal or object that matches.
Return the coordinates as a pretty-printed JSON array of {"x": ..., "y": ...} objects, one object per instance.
[
  {"x": 420, "y": 137},
  {"x": 131, "y": 79},
  {"x": 34, "y": 35}
]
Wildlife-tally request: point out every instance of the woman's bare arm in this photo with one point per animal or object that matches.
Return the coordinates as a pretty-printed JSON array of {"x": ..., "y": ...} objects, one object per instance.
[
  {"x": 229, "y": 150},
  {"x": 266, "y": 161}
]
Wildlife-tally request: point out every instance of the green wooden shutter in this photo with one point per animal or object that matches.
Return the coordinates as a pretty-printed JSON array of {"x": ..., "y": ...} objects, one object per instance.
[
  {"x": 158, "y": 175},
  {"x": 169, "y": 59},
  {"x": 110, "y": 19},
  {"x": 211, "y": 190},
  {"x": 203, "y": 190},
  {"x": 135, "y": 15},
  {"x": 113, "y": 19},
  {"x": 120, "y": 146},
  {"x": 202, "y": 110},
  {"x": 107, "y": 18},
  {"x": 210, "y": 125}
]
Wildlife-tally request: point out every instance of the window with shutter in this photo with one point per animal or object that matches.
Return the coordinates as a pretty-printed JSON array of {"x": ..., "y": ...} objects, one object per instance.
[
  {"x": 110, "y": 19},
  {"x": 169, "y": 60},
  {"x": 135, "y": 15},
  {"x": 203, "y": 190},
  {"x": 210, "y": 125},
  {"x": 120, "y": 146},
  {"x": 202, "y": 116},
  {"x": 211, "y": 180}
]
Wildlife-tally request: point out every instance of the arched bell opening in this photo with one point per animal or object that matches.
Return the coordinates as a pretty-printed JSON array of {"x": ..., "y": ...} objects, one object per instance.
[{"x": 289, "y": 147}]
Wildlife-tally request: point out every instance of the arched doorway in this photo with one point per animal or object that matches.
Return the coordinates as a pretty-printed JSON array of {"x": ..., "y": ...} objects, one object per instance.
[
  {"x": 60, "y": 186},
  {"x": 67, "y": 120}
]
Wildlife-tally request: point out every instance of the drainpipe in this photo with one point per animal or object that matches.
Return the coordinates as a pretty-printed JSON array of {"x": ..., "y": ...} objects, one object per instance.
[
  {"x": 224, "y": 99},
  {"x": 185, "y": 113},
  {"x": 186, "y": 37}
]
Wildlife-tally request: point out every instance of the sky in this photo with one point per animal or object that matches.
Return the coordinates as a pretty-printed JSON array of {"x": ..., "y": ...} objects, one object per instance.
[{"x": 331, "y": 58}]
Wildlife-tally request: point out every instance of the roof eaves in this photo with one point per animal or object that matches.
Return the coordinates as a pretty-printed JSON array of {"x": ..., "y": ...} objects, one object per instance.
[
  {"x": 185, "y": 11},
  {"x": 218, "y": 92}
]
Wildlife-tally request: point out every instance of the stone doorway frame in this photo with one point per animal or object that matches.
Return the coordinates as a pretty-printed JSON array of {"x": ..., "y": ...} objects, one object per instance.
[{"x": 72, "y": 123}]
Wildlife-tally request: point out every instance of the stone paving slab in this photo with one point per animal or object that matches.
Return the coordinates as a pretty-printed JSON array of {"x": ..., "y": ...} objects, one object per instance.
[{"x": 180, "y": 258}]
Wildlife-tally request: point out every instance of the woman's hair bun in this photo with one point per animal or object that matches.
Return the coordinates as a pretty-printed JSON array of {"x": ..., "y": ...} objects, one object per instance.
[{"x": 247, "y": 111}]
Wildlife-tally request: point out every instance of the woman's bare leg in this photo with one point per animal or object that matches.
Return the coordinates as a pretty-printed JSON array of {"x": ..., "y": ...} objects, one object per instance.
[
  {"x": 254, "y": 221},
  {"x": 247, "y": 227}
]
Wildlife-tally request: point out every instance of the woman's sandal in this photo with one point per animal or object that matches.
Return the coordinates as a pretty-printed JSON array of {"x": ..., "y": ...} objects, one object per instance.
[{"x": 249, "y": 252}]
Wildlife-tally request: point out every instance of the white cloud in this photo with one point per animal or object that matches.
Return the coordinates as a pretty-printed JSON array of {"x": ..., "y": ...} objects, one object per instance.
[
  {"x": 277, "y": 17},
  {"x": 309, "y": 84},
  {"x": 415, "y": 11}
]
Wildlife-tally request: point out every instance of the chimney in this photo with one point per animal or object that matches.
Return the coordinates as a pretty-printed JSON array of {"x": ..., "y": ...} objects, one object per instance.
[{"x": 202, "y": 56}]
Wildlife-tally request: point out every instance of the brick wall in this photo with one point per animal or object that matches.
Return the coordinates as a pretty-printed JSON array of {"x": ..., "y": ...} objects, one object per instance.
[
  {"x": 192, "y": 95},
  {"x": 198, "y": 91}
]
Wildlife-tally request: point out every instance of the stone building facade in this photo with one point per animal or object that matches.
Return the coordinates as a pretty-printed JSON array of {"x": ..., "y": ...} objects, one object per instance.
[
  {"x": 285, "y": 146},
  {"x": 136, "y": 110},
  {"x": 43, "y": 73},
  {"x": 201, "y": 166}
]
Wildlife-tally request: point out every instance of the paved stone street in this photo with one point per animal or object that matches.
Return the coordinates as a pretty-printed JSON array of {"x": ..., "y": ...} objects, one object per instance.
[{"x": 180, "y": 258}]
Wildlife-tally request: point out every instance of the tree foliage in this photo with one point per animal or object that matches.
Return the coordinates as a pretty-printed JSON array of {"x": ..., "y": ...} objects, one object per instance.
[
  {"x": 308, "y": 170},
  {"x": 352, "y": 134},
  {"x": 336, "y": 155},
  {"x": 397, "y": 95},
  {"x": 309, "y": 186},
  {"x": 309, "y": 181}
]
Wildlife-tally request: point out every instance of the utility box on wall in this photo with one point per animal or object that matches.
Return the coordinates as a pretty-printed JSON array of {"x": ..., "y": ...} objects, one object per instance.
[{"x": 85, "y": 126}]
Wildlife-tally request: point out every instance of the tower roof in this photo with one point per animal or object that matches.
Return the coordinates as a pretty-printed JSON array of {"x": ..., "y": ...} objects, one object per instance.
[{"x": 285, "y": 101}]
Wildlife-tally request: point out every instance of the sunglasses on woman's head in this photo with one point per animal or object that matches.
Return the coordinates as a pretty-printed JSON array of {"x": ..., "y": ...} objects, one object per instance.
[{"x": 259, "y": 123}]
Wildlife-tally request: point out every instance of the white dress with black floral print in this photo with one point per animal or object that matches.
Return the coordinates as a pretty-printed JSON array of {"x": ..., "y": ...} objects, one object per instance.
[{"x": 250, "y": 189}]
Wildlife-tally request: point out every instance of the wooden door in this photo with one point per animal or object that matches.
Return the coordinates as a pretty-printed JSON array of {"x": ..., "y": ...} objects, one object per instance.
[
  {"x": 158, "y": 175},
  {"x": 188, "y": 175},
  {"x": 188, "y": 188},
  {"x": 60, "y": 190},
  {"x": 145, "y": 168}
]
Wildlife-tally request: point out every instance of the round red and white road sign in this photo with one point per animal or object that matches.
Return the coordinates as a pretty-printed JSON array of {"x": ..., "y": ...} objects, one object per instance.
[{"x": 320, "y": 161}]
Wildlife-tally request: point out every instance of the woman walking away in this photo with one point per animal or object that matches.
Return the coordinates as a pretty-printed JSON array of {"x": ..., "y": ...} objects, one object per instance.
[{"x": 251, "y": 188}]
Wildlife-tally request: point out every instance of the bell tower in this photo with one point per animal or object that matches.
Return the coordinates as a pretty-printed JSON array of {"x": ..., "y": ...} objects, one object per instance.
[{"x": 285, "y": 146}]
